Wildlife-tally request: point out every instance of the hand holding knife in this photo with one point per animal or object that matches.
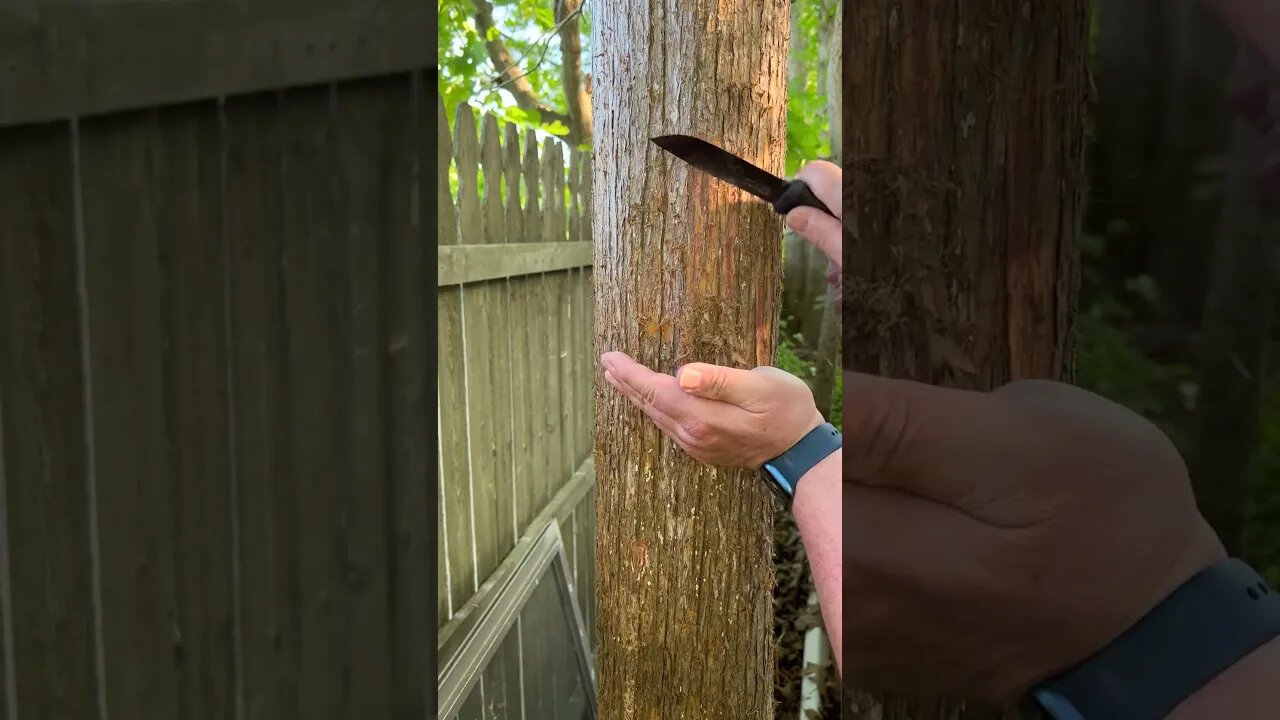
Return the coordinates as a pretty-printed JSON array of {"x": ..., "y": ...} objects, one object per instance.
[{"x": 783, "y": 195}]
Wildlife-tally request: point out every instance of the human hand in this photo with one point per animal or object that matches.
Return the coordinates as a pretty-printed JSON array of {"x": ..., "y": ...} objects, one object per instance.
[
  {"x": 995, "y": 539},
  {"x": 719, "y": 415},
  {"x": 819, "y": 228}
]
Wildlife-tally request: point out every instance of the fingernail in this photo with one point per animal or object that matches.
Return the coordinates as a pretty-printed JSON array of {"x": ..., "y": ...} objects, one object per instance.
[
  {"x": 795, "y": 221},
  {"x": 690, "y": 379}
]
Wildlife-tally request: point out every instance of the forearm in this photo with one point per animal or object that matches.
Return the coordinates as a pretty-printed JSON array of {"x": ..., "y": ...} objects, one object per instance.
[
  {"x": 1248, "y": 690},
  {"x": 817, "y": 509}
]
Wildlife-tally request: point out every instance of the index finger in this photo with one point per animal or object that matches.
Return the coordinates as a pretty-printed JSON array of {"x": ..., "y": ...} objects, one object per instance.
[
  {"x": 824, "y": 178},
  {"x": 819, "y": 228},
  {"x": 658, "y": 390}
]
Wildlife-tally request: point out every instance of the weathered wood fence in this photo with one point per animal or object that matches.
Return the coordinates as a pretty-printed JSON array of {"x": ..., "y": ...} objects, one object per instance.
[
  {"x": 215, "y": 338},
  {"x": 515, "y": 363}
]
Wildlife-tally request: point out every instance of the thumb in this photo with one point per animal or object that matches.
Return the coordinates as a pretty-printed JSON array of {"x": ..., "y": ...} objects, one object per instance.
[
  {"x": 940, "y": 443},
  {"x": 731, "y": 385}
]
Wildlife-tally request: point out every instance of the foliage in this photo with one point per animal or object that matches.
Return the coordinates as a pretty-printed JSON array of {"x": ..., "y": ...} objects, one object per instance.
[
  {"x": 1108, "y": 361},
  {"x": 1262, "y": 541},
  {"x": 527, "y": 29},
  {"x": 807, "y": 125},
  {"x": 803, "y": 368},
  {"x": 787, "y": 358}
]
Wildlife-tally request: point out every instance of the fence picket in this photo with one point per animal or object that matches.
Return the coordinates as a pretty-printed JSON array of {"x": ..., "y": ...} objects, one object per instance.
[
  {"x": 575, "y": 222},
  {"x": 583, "y": 318},
  {"x": 466, "y": 155},
  {"x": 522, "y": 291},
  {"x": 533, "y": 194},
  {"x": 478, "y": 348},
  {"x": 559, "y": 206},
  {"x": 554, "y": 299},
  {"x": 511, "y": 173},
  {"x": 578, "y": 366},
  {"x": 491, "y": 170},
  {"x": 447, "y": 232},
  {"x": 550, "y": 199},
  {"x": 456, "y": 492},
  {"x": 500, "y": 332},
  {"x": 524, "y": 372},
  {"x": 540, "y": 489}
]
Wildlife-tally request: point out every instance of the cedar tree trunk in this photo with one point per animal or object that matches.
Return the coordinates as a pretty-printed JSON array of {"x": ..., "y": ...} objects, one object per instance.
[
  {"x": 686, "y": 269},
  {"x": 963, "y": 153}
]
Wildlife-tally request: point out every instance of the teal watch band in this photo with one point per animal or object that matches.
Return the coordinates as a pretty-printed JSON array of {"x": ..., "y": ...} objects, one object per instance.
[
  {"x": 783, "y": 473},
  {"x": 1206, "y": 625}
]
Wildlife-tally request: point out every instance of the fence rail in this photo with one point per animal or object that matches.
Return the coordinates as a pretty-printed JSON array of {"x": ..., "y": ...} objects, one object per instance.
[{"x": 515, "y": 362}]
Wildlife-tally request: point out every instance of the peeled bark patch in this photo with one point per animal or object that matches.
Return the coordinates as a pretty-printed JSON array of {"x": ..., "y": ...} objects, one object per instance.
[{"x": 686, "y": 269}]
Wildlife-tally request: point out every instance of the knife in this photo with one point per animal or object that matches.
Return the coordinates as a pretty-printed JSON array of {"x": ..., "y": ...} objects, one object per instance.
[{"x": 784, "y": 195}]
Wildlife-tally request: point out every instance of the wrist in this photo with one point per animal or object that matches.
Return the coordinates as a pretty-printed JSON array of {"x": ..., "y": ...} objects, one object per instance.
[
  {"x": 805, "y": 428},
  {"x": 1245, "y": 691},
  {"x": 781, "y": 442},
  {"x": 785, "y": 472},
  {"x": 1205, "y": 651},
  {"x": 815, "y": 485}
]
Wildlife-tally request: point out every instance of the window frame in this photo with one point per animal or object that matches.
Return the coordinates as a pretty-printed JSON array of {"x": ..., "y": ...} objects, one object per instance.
[{"x": 471, "y": 648}]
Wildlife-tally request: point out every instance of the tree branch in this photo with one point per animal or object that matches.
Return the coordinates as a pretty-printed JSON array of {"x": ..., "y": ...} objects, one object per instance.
[{"x": 514, "y": 80}]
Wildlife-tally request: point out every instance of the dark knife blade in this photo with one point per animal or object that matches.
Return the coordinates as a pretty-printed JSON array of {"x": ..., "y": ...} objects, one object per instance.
[{"x": 783, "y": 195}]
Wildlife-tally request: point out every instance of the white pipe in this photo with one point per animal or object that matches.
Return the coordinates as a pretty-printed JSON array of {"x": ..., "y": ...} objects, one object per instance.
[{"x": 817, "y": 655}]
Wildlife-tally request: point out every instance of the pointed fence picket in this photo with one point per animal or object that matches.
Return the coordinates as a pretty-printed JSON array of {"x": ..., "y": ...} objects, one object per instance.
[{"x": 516, "y": 368}]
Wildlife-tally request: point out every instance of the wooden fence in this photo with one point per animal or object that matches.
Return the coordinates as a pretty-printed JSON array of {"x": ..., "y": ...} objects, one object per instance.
[
  {"x": 215, "y": 339},
  {"x": 515, "y": 359}
]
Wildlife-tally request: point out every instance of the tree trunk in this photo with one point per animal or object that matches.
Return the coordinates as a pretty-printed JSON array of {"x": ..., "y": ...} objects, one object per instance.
[
  {"x": 686, "y": 268},
  {"x": 576, "y": 97},
  {"x": 963, "y": 149},
  {"x": 1234, "y": 335}
]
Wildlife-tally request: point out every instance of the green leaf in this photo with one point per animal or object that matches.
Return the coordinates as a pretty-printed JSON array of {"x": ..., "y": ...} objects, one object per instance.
[
  {"x": 521, "y": 116},
  {"x": 555, "y": 127}
]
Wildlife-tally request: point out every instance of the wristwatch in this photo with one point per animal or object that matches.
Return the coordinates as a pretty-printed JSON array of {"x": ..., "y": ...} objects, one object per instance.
[
  {"x": 783, "y": 472},
  {"x": 1203, "y": 627}
]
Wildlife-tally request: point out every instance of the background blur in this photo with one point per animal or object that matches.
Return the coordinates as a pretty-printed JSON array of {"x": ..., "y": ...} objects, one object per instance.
[{"x": 1175, "y": 317}]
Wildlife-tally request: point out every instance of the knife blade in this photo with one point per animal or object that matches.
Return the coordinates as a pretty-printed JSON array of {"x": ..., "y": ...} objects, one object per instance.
[{"x": 783, "y": 195}]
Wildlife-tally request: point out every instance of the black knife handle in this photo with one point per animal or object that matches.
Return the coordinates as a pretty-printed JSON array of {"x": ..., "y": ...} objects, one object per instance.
[{"x": 796, "y": 195}]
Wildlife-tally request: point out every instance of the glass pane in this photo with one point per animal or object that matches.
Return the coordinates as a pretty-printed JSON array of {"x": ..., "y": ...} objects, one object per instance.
[
  {"x": 554, "y": 686},
  {"x": 473, "y": 708},
  {"x": 502, "y": 681},
  {"x": 535, "y": 673}
]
